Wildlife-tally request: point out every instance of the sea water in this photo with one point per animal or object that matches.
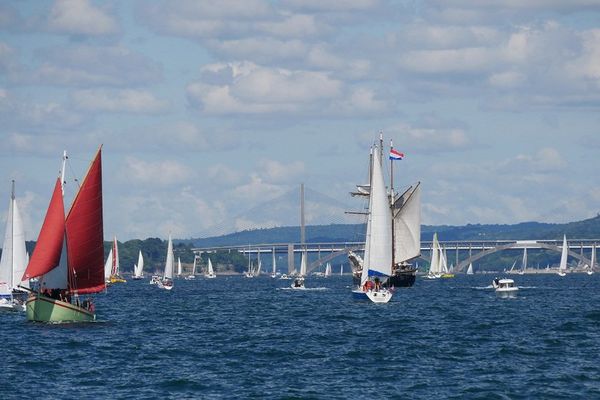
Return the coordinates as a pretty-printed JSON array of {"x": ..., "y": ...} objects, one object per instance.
[{"x": 233, "y": 337}]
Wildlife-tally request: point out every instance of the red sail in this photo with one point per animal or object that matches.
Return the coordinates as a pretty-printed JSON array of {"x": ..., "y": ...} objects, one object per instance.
[
  {"x": 85, "y": 234},
  {"x": 46, "y": 255}
]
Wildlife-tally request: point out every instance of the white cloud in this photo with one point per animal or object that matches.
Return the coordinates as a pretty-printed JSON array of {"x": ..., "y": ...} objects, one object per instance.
[
  {"x": 80, "y": 17},
  {"x": 431, "y": 140},
  {"x": 94, "y": 65},
  {"x": 120, "y": 101},
  {"x": 162, "y": 173},
  {"x": 253, "y": 89},
  {"x": 276, "y": 172}
]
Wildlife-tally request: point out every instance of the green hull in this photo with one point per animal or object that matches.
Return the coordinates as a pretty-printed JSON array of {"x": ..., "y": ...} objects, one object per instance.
[{"x": 45, "y": 309}]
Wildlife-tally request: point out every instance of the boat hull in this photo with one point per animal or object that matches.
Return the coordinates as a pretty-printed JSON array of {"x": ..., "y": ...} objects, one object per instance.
[
  {"x": 400, "y": 278},
  {"x": 40, "y": 308},
  {"x": 507, "y": 292},
  {"x": 379, "y": 296}
]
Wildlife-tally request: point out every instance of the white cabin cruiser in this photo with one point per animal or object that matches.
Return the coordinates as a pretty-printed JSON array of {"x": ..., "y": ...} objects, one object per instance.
[{"x": 505, "y": 287}]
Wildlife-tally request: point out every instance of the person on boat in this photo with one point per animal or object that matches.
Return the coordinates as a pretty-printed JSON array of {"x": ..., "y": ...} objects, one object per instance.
[
  {"x": 496, "y": 282},
  {"x": 377, "y": 284}
]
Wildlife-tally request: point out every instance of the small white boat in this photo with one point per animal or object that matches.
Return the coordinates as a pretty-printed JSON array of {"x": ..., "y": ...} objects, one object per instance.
[
  {"x": 11, "y": 304},
  {"x": 285, "y": 277},
  {"x": 154, "y": 280},
  {"x": 210, "y": 272},
  {"x": 505, "y": 287}
]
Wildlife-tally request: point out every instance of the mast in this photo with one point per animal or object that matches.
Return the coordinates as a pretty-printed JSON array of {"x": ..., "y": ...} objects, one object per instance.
[
  {"x": 302, "y": 225},
  {"x": 392, "y": 204}
]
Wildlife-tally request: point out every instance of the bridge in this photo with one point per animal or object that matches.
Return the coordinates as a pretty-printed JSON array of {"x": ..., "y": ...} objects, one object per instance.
[{"x": 473, "y": 249}]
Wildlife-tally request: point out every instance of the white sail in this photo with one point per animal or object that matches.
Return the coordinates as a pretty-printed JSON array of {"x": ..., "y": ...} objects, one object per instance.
[
  {"x": 108, "y": 265},
  {"x": 303, "y": 264},
  {"x": 139, "y": 267},
  {"x": 434, "y": 267},
  {"x": 178, "y": 265},
  {"x": 564, "y": 255},
  {"x": 443, "y": 262},
  {"x": 407, "y": 225},
  {"x": 211, "y": 271},
  {"x": 341, "y": 269},
  {"x": 169, "y": 261},
  {"x": 274, "y": 270},
  {"x": 258, "y": 265},
  {"x": 328, "y": 269},
  {"x": 593, "y": 259},
  {"x": 524, "y": 262},
  {"x": 14, "y": 254},
  {"x": 470, "y": 269},
  {"x": 378, "y": 245}
]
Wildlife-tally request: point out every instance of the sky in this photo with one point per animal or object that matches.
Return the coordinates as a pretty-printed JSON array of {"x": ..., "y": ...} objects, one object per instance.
[{"x": 210, "y": 112}]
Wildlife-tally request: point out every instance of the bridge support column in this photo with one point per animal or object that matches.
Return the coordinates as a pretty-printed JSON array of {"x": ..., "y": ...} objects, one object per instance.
[{"x": 290, "y": 258}]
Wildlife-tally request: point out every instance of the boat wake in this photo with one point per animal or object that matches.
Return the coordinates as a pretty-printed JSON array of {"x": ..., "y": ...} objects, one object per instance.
[
  {"x": 312, "y": 289},
  {"x": 483, "y": 287}
]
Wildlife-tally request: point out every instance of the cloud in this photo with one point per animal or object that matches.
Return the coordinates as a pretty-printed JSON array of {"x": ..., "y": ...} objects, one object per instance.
[
  {"x": 252, "y": 89},
  {"x": 277, "y": 172},
  {"x": 431, "y": 139},
  {"x": 80, "y": 17},
  {"x": 161, "y": 173},
  {"x": 84, "y": 65},
  {"x": 119, "y": 101}
]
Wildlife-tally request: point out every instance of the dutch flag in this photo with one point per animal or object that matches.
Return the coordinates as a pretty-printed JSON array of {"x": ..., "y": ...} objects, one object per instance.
[{"x": 396, "y": 155}]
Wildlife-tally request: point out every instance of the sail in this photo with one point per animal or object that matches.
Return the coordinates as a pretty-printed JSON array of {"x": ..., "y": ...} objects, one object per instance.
[
  {"x": 47, "y": 253},
  {"x": 85, "y": 233},
  {"x": 443, "y": 261},
  {"x": 303, "y": 263},
  {"x": 14, "y": 254},
  {"x": 274, "y": 262},
  {"x": 470, "y": 269},
  {"x": 210, "y": 267},
  {"x": 258, "y": 265},
  {"x": 169, "y": 261},
  {"x": 328, "y": 269},
  {"x": 593, "y": 259},
  {"x": 564, "y": 255},
  {"x": 178, "y": 266},
  {"x": 524, "y": 262},
  {"x": 407, "y": 225},
  {"x": 108, "y": 265},
  {"x": 434, "y": 267},
  {"x": 139, "y": 267},
  {"x": 116, "y": 266},
  {"x": 378, "y": 246}
]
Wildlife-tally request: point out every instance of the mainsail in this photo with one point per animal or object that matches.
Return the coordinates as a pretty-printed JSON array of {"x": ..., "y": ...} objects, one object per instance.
[
  {"x": 139, "y": 267},
  {"x": 169, "y": 261},
  {"x": 564, "y": 255}
]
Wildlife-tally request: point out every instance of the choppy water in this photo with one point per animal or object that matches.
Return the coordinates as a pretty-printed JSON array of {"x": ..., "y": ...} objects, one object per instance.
[{"x": 235, "y": 337}]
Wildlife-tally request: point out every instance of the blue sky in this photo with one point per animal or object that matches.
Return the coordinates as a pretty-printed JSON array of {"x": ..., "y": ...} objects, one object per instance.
[{"x": 210, "y": 108}]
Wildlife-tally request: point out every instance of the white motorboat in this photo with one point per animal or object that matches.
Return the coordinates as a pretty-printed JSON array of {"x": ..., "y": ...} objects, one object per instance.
[
  {"x": 505, "y": 287},
  {"x": 298, "y": 283}
]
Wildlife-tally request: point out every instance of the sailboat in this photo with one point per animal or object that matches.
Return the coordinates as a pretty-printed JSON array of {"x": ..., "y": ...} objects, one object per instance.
[
  {"x": 274, "y": 268},
  {"x": 378, "y": 258},
  {"x": 167, "y": 280},
  {"x": 446, "y": 273},
  {"x": 328, "y": 270},
  {"x": 405, "y": 210},
  {"x": 138, "y": 269},
  {"x": 192, "y": 276},
  {"x": 435, "y": 265},
  {"x": 562, "y": 268},
  {"x": 524, "y": 262},
  {"x": 470, "y": 269},
  {"x": 178, "y": 266},
  {"x": 590, "y": 271},
  {"x": 14, "y": 258},
  {"x": 299, "y": 280},
  {"x": 69, "y": 255},
  {"x": 115, "y": 275},
  {"x": 210, "y": 272}
]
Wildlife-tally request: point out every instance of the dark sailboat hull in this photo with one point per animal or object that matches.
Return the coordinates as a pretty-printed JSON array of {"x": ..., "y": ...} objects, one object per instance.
[{"x": 402, "y": 277}]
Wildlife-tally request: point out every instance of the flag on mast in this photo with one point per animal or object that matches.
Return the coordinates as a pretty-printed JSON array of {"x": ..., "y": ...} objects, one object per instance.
[{"x": 396, "y": 155}]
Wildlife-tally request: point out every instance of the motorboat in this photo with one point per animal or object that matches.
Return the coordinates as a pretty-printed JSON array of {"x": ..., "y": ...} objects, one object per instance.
[{"x": 505, "y": 287}]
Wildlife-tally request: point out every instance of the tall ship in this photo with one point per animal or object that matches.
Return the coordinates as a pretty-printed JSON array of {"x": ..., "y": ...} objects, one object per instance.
[
  {"x": 405, "y": 211},
  {"x": 68, "y": 258}
]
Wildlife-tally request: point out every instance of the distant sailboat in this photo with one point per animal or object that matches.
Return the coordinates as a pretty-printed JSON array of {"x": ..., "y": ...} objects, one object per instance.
[
  {"x": 590, "y": 271},
  {"x": 274, "y": 267},
  {"x": 435, "y": 265},
  {"x": 524, "y": 262},
  {"x": 193, "y": 274},
  {"x": 210, "y": 272},
  {"x": 14, "y": 258},
  {"x": 299, "y": 280},
  {"x": 115, "y": 275},
  {"x": 378, "y": 244},
  {"x": 470, "y": 269},
  {"x": 167, "y": 280},
  {"x": 562, "y": 268},
  {"x": 178, "y": 266},
  {"x": 328, "y": 270},
  {"x": 68, "y": 256},
  {"x": 108, "y": 266},
  {"x": 138, "y": 269}
]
